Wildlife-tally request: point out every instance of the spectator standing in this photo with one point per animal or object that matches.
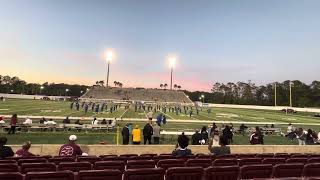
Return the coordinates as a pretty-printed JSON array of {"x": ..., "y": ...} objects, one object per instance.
[
  {"x": 290, "y": 132},
  {"x": 125, "y": 135},
  {"x": 71, "y": 148},
  {"x": 243, "y": 129},
  {"x": 24, "y": 151},
  {"x": 156, "y": 134},
  {"x": 147, "y": 133},
  {"x": 181, "y": 148},
  {"x": 256, "y": 137},
  {"x": 13, "y": 124},
  {"x": 301, "y": 136},
  {"x": 204, "y": 135},
  {"x": 227, "y": 133},
  {"x": 196, "y": 138},
  {"x": 66, "y": 120},
  {"x": 222, "y": 150},
  {"x": 136, "y": 135},
  {"x": 309, "y": 138}
]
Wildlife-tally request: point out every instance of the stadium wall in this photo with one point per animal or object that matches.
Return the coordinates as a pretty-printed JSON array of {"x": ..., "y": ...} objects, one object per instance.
[
  {"x": 274, "y": 108},
  {"x": 158, "y": 149}
]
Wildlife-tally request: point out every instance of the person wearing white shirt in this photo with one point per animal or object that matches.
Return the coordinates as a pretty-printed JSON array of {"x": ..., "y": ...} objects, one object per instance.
[{"x": 28, "y": 121}]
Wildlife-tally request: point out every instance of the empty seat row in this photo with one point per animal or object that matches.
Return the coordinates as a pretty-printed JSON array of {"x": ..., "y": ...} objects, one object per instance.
[{"x": 262, "y": 171}]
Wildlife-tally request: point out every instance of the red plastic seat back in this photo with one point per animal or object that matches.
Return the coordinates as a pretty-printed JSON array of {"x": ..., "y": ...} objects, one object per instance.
[
  {"x": 167, "y": 163},
  {"x": 58, "y": 160},
  {"x": 35, "y": 160},
  {"x": 38, "y": 167},
  {"x": 288, "y": 170},
  {"x": 90, "y": 159},
  {"x": 138, "y": 164},
  {"x": 249, "y": 161},
  {"x": 297, "y": 160},
  {"x": 184, "y": 173},
  {"x": 198, "y": 163},
  {"x": 256, "y": 171},
  {"x": 116, "y": 165},
  {"x": 9, "y": 168},
  {"x": 274, "y": 161},
  {"x": 11, "y": 176},
  {"x": 100, "y": 175},
  {"x": 58, "y": 175},
  {"x": 74, "y": 166},
  {"x": 222, "y": 173},
  {"x": 144, "y": 174},
  {"x": 311, "y": 170},
  {"x": 225, "y": 162}
]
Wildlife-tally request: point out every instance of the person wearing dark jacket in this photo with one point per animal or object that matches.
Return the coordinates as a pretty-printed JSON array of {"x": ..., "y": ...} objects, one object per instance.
[
  {"x": 222, "y": 150},
  {"x": 227, "y": 133},
  {"x": 181, "y": 148},
  {"x": 147, "y": 133},
  {"x": 196, "y": 138},
  {"x": 5, "y": 151},
  {"x": 256, "y": 137},
  {"x": 125, "y": 135},
  {"x": 204, "y": 134}
]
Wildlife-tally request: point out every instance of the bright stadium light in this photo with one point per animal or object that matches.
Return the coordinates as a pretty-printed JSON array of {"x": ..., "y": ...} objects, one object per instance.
[
  {"x": 109, "y": 56},
  {"x": 87, "y": 89},
  {"x": 202, "y": 97},
  {"x": 81, "y": 92},
  {"x": 41, "y": 88},
  {"x": 172, "y": 63},
  {"x": 67, "y": 90}
]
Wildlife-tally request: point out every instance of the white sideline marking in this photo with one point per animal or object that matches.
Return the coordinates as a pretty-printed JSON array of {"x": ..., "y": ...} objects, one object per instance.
[{"x": 123, "y": 113}]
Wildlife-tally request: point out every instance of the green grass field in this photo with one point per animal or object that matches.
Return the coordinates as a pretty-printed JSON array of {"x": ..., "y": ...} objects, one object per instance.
[{"x": 62, "y": 109}]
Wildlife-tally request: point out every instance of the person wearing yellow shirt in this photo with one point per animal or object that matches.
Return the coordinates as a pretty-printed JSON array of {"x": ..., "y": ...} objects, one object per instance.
[{"x": 136, "y": 135}]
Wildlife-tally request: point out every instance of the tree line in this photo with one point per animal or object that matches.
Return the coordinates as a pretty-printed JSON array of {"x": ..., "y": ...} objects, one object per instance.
[{"x": 248, "y": 93}]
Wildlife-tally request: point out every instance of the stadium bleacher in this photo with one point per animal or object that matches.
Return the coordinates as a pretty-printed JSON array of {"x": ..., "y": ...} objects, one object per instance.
[
  {"x": 200, "y": 166},
  {"x": 135, "y": 94}
]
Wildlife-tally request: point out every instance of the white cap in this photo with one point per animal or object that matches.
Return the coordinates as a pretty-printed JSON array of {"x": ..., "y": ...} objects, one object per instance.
[{"x": 73, "y": 138}]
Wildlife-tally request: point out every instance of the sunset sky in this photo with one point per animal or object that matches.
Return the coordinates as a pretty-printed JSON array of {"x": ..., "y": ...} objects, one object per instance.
[{"x": 226, "y": 41}]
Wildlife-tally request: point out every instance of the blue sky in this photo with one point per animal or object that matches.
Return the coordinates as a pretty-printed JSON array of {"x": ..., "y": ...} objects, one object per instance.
[{"x": 227, "y": 40}]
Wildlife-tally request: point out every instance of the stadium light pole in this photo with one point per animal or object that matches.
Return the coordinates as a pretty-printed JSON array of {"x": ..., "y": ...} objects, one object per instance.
[
  {"x": 275, "y": 94},
  {"x": 290, "y": 87},
  {"x": 172, "y": 62},
  {"x": 202, "y": 97},
  {"x": 109, "y": 56},
  {"x": 67, "y": 90}
]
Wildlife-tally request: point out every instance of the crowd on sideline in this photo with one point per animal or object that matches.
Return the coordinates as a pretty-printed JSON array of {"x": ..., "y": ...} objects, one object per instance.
[{"x": 304, "y": 137}]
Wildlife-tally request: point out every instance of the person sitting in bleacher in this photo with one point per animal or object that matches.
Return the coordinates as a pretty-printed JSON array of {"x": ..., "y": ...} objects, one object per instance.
[
  {"x": 181, "y": 148},
  {"x": 28, "y": 121},
  {"x": 5, "y": 151},
  {"x": 24, "y": 151},
  {"x": 223, "y": 149},
  {"x": 71, "y": 148}
]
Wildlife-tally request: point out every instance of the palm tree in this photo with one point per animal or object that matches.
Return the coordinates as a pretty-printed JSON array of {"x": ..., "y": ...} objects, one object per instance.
[
  {"x": 165, "y": 86},
  {"x": 179, "y": 87},
  {"x": 161, "y": 86},
  {"x": 97, "y": 82},
  {"x": 120, "y": 84},
  {"x": 101, "y": 83},
  {"x": 175, "y": 86},
  {"x": 115, "y": 83}
]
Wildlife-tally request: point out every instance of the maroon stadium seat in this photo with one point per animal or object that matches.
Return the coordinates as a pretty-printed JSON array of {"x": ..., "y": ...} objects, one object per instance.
[
  {"x": 313, "y": 178},
  {"x": 7, "y": 161},
  {"x": 184, "y": 173},
  {"x": 222, "y": 173},
  {"x": 90, "y": 159},
  {"x": 100, "y": 175},
  {"x": 227, "y": 156},
  {"x": 58, "y": 160},
  {"x": 297, "y": 160},
  {"x": 113, "y": 158},
  {"x": 225, "y": 162},
  {"x": 117, "y": 165},
  {"x": 144, "y": 174},
  {"x": 313, "y": 160},
  {"x": 164, "y": 156},
  {"x": 74, "y": 166},
  {"x": 265, "y": 155},
  {"x": 140, "y": 158},
  {"x": 299, "y": 156},
  {"x": 242, "y": 156},
  {"x": 167, "y": 163},
  {"x": 256, "y": 171},
  {"x": 282, "y": 155},
  {"x": 249, "y": 161},
  {"x": 38, "y": 167},
  {"x": 138, "y": 164},
  {"x": 9, "y": 168},
  {"x": 36, "y": 160},
  {"x": 288, "y": 170},
  {"x": 58, "y": 175},
  {"x": 128, "y": 155},
  {"x": 11, "y": 176},
  {"x": 205, "y": 156},
  {"x": 152, "y": 155},
  {"x": 110, "y": 155},
  {"x": 274, "y": 161},
  {"x": 198, "y": 163},
  {"x": 311, "y": 170},
  {"x": 314, "y": 156}
]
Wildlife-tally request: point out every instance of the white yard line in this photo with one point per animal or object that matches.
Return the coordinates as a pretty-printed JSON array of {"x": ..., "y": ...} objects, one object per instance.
[
  {"x": 167, "y": 115},
  {"x": 123, "y": 113}
]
